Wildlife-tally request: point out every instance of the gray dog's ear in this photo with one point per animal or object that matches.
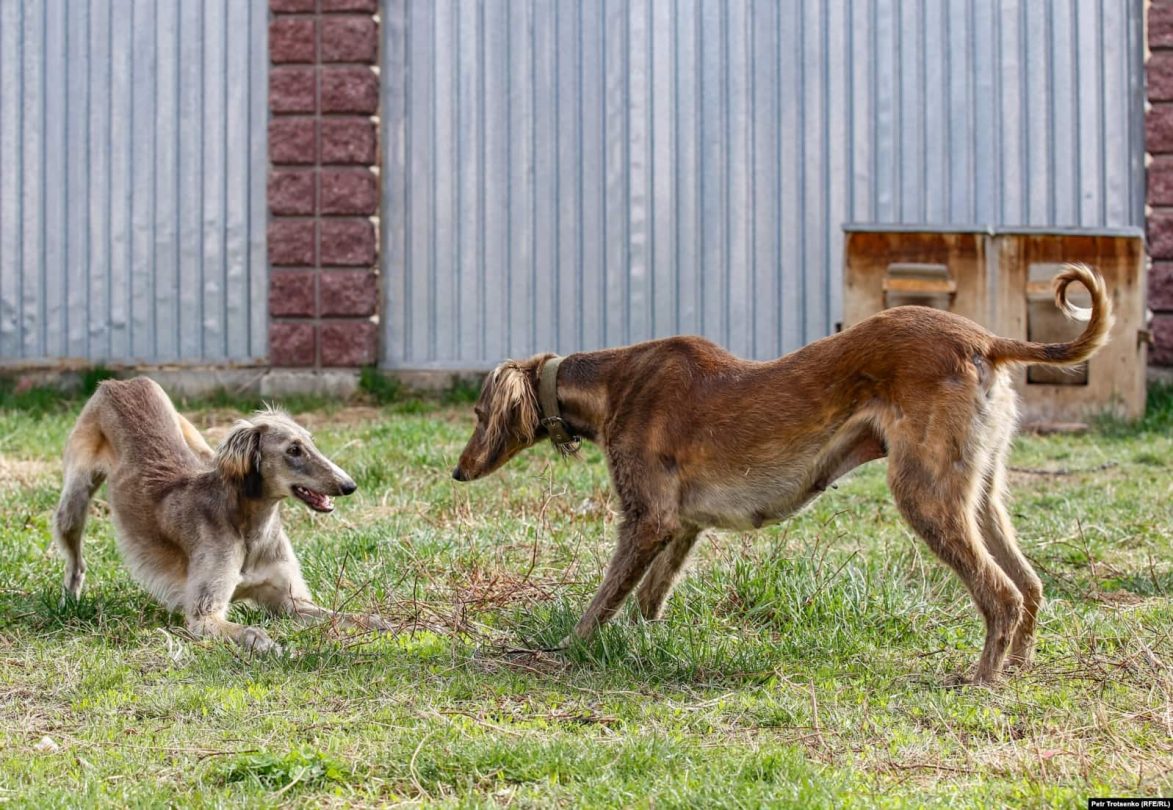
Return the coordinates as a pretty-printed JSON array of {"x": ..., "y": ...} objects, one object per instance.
[{"x": 239, "y": 457}]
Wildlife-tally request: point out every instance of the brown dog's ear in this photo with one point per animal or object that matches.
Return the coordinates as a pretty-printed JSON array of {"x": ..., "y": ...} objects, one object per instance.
[
  {"x": 513, "y": 408},
  {"x": 238, "y": 458}
]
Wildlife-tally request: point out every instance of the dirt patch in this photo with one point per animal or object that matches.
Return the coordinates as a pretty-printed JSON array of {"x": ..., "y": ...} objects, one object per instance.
[
  {"x": 20, "y": 473},
  {"x": 349, "y": 416}
]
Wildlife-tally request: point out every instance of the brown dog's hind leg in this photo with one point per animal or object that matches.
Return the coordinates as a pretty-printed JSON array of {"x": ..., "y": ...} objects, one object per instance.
[
  {"x": 998, "y": 533},
  {"x": 639, "y": 543},
  {"x": 937, "y": 501},
  {"x": 664, "y": 573}
]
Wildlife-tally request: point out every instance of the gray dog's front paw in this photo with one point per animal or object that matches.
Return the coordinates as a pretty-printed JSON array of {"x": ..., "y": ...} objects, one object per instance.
[{"x": 256, "y": 640}]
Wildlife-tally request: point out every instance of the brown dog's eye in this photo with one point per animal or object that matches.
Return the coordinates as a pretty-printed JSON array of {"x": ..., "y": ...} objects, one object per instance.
[{"x": 294, "y": 450}]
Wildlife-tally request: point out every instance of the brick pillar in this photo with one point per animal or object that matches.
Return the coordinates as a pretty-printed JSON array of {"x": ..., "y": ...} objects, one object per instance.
[
  {"x": 1159, "y": 143},
  {"x": 323, "y": 183}
]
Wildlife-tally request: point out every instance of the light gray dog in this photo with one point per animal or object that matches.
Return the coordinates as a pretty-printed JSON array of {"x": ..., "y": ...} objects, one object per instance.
[{"x": 198, "y": 529}]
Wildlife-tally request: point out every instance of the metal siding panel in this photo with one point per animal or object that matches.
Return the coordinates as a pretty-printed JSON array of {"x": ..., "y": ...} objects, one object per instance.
[
  {"x": 1012, "y": 165},
  {"x": 443, "y": 329},
  {"x": 1118, "y": 142},
  {"x": 738, "y": 309},
  {"x": 689, "y": 270},
  {"x": 495, "y": 189},
  {"x": 33, "y": 185},
  {"x": 257, "y": 142},
  {"x": 395, "y": 76},
  {"x": 98, "y": 258},
  {"x": 714, "y": 194},
  {"x": 10, "y": 242},
  {"x": 94, "y": 112},
  {"x": 568, "y": 176},
  {"x": 191, "y": 180},
  {"x": 641, "y": 293},
  {"x": 934, "y": 60},
  {"x": 518, "y": 316},
  {"x": 420, "y": 118},
  {"x": 764, "y": 262},
  {"x": 814, "y": 267},
  {"x": 214, "y": 179},
  {"x": 837, "y": 137},
  {"x": 885, "y": 97},
  {"x": 1064, "y": 161},
  {"x": 142, "y": 214},
  {"x": 470, "y": 293},
  {"x": 120, "y": 128},
  {"x": 980, "y": 127},
  {"x": 167, "y": 198},
  {"x": 861, "y": 111},
  {"x": 791, "y": 168},
  {"x": 234, "y": 211},
  {"x": 544, "y": 267},
  {"x": 77, "y": 256},
  {"x": 592, "y": 227},
  {"x": 55, "y": 343},
  {"x": 1090, "y": 111},
  {"x": 568, "y": 305},
  {"x": 615, "y": 275}
]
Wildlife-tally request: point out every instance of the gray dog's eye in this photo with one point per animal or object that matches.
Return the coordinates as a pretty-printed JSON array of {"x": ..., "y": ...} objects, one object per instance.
[{"x": 294, "y": 450}]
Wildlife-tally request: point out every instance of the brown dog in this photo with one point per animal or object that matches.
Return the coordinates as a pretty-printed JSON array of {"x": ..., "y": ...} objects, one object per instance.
[
  {"x": 197, "y": 529},
  {"x": 696, "y": 438}
]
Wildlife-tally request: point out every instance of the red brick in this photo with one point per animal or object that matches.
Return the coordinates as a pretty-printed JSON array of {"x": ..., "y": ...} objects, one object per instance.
[
  {"x": 291, "y": 242},
  {"x": 291, "y": 39},
  {"x": 369, "y": 6},
  {"x": 353, "y": 191},
  {"x": 1160, "y": 180},
  {"x": 1161, "y": 351},
  {"x": 291, "y": 6},
  {"x": 291, "y": 90},
  {"x": 1161, "y": 234},
  {"x": 1158, "y": 127},
  {"x": 1161, "y": 24},
  {"x": 292, "y": 344},
  {"x": 347, "y": 292},
  {"x": 350, "y": 90},
  {"x": 349, "y": 39},
  {"x": 348, "y": 242},
  {"x": 291, "y": 294},
  {"x": 1161, "y": 287},
  {"x": 291, "y": 192},
  {"x": 348, "y": 140},
  {"x": 1159, "y": 76},
  {"x": 349, "y": 343},
  {"x": 291, "y": 140}
]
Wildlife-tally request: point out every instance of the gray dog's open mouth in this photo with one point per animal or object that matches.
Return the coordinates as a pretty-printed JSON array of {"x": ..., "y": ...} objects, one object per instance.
[{"x": 314, "y": 500}]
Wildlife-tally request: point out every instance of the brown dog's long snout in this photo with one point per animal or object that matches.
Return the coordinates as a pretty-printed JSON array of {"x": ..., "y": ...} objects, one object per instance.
[{"x": 458, "y": 474}]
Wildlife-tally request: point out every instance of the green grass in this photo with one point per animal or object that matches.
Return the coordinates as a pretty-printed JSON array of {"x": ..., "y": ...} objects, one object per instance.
[{"x": 805, "y": 665}]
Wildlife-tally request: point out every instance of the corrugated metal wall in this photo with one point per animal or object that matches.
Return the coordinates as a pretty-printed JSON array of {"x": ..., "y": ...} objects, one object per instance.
[
  {"x": 132, "y": 180},
  {"x": 565, "y": 175}
]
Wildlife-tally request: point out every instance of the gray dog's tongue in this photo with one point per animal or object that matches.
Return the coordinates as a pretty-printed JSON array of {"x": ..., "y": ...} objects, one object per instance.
[{"x": 316, "y": 500}]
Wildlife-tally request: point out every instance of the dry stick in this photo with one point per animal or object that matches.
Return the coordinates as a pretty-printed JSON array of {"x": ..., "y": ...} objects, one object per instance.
[
  {"x": 1107, "y": 465},
  {"x": 815, "y": 716},
  {"x": 411, "y": 766}
]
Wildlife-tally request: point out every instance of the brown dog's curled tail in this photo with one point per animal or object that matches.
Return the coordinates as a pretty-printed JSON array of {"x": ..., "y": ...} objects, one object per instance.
[{"x": 1099, "y": 324}]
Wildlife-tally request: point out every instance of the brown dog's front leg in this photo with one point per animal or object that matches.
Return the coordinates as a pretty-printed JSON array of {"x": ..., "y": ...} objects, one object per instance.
[{"x": 639, "y": 544}]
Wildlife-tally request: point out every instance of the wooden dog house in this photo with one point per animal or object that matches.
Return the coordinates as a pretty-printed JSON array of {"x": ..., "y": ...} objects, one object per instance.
[{"x": 1002, "y": 280}]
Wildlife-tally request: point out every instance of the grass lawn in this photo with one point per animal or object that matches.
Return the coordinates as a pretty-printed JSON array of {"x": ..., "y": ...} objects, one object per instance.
[{"x": 804, "y": 665}]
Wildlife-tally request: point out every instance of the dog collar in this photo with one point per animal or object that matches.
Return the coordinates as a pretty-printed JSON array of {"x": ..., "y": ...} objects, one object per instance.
[{"x": 555, "y": 425}]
